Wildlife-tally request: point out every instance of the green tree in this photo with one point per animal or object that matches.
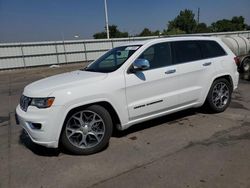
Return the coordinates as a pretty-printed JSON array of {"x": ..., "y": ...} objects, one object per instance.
[
  {"x": 173, "y": 31},
  {"x": 113, "y": 33},
  {"x": 183, "y": 22},
  {"x": 101, "y": 35},
  {"x": 235, "y": 24},
  {"x": 222, "y": 26},
  {"x": 238, "y": 23},
  {"x": 146, "y": 32},
  {"x": 202, "y": 28}
]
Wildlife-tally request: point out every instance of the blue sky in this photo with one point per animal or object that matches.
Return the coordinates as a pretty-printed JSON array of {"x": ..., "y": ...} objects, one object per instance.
[{"x": 42, "y": 20}]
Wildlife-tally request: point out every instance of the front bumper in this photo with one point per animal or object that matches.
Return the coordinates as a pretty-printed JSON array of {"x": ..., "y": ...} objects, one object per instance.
[{"x": 51, "y": 122}]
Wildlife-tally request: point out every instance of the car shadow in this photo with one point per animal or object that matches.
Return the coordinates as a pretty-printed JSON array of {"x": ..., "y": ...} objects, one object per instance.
[
  {"x": 37, "y": 149},
  {"x": 25, "y": 140},
  {"x": 245, "y": 76},
  {"x": 168, "y": 119}
]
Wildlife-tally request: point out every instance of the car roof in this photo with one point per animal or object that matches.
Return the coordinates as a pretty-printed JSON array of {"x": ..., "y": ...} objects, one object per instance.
[{"x": 167, "y": 39}]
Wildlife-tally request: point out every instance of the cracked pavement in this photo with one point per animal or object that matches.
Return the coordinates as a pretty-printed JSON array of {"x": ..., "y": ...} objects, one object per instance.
[{"x": 186, "y": 149}]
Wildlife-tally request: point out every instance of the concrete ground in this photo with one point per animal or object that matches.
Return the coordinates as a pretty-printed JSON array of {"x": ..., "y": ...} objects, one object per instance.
[{"x": 185, "y": 149}]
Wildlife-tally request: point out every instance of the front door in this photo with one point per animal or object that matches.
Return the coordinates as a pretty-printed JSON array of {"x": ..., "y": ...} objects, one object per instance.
[{"x": 152, "y": 91}]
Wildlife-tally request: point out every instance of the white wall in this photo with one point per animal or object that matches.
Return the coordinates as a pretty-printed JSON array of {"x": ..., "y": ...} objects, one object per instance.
[{"x": 21, "y": 55}]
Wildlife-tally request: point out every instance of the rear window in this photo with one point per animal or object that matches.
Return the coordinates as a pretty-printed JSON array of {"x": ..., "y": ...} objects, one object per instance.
[
  {"x": 211, "y": 49},
  {"x": 186, "y": 51}
]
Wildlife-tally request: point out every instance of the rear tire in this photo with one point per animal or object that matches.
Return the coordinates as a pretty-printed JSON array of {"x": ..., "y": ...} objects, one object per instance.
[
  {"x": 87, "y": 131},
  {"x": 219, "y": 96},
  {"x": 246, "y": 66}
]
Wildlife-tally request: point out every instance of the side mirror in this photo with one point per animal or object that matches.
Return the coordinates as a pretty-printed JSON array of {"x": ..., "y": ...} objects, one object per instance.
[{"x": 141, "y": 64}]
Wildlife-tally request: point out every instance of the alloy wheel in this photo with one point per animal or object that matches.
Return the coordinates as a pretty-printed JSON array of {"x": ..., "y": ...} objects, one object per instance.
[
  {"x": 85, "y": 129},
  {"x": 220, "y": 95}
]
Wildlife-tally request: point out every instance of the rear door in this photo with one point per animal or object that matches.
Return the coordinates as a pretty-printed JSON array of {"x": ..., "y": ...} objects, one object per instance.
[{"x": 193, "y": 70}]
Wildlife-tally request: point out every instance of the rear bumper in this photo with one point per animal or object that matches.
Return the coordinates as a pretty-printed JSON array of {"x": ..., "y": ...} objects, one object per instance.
[{"x": 236, "y": 80}]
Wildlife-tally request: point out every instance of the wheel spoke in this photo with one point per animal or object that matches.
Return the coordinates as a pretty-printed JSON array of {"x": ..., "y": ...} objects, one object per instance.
[
  {"x": 73, "y": 131},
  {"x": 83, "y": 140},
  {"x": 79, "y": 119},
  {"x": 221, "y": 102},
  {"x": 96, "y": 134},
  {"x": 94, "y": 122},
  {"x": 85, "y": 116}
]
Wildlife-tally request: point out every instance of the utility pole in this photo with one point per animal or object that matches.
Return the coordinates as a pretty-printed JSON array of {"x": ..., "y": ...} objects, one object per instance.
[
  {"x": 198, "y": 16},
  {"x": 106, "y": 18}
]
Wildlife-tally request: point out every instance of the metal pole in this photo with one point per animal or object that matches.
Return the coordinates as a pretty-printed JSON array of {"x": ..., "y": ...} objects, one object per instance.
[
  {"x": 64, "y": 49},
  {"x": 106, "y": 18},
  {"x": 23, "y": 57},
  {"x": 57, "y": 58},
  {"x": 198, "y": 16},
  {"x": 85, "y": 52},
  {"x": 112, "y": 43}
]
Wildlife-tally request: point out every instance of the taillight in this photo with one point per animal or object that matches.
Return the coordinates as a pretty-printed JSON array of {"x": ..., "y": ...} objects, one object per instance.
[{"x": 237, "y": 61}]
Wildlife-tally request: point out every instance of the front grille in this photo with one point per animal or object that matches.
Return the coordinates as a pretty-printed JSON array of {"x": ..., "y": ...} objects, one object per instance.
[{"x": 24, "y": 102}]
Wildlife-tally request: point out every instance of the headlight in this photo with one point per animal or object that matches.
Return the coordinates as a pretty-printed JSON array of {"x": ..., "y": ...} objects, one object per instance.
[{"x": 42, "y": 102}]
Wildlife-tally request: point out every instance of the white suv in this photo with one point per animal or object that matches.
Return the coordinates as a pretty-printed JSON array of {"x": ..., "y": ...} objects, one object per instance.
[{"x": 127, "y": 85}]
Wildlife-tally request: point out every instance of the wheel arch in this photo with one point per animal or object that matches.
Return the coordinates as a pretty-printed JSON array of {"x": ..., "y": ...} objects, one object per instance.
[
  {"x": 225, "y": 76},
  {"x": 105, "y": 104}
]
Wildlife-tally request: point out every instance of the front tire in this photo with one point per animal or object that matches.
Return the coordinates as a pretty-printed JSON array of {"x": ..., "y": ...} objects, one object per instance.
[
  {"x": 87, "y": 131},
  {"x": 219, "y": 96}
]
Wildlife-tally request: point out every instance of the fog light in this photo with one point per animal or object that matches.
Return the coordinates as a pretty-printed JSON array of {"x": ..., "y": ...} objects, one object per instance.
[{"x": 35, "y": 125}]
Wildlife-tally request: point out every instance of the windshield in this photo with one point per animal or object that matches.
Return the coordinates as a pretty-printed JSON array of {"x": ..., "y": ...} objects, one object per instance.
[{"x": 112, "y": 60}]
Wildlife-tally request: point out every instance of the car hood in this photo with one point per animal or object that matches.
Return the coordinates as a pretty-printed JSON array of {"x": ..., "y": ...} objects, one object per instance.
[{"x": 46, "y": 86}]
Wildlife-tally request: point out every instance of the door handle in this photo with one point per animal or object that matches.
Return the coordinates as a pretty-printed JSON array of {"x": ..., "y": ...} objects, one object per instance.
[
  {"x": 207, "y": 64},
  {"x": 170, "y": 71}
]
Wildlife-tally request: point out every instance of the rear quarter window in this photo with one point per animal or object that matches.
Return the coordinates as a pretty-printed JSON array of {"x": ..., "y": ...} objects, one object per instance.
[{"x": 211, "y": 49}]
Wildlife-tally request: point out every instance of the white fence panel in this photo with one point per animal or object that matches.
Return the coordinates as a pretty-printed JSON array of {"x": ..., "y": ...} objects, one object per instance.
[
  {"x": 35, "y": 50},
  {"x": 119, "y": 43},
  {"x": 10, "y": 51},
  {"x": 62, "y": 59},
  {"x": 75, "y": 57},
  {"x": 74, "y": 47},
  {"x": 19, "y": 55},
  {"x": 91, "y": 56},
  {"x": 40, "y": 60},
  {"x": 98, "y": 46},
  {"x": 11, "y": 63},
  {"x": 60, "y": 48}
]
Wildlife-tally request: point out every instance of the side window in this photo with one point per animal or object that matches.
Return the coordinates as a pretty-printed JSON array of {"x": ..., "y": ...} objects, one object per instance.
[
  {"x": 186, "y": 51},
  {"x": 158, "y": 55},
  {"x": 211, "y": 49}
]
